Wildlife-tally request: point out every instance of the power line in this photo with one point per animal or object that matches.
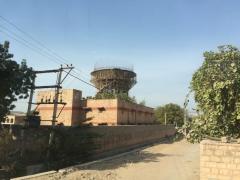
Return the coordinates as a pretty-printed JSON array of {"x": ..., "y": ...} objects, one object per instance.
[
  {"x": 82, "y": 80},
  {"x": 68, "y": 83},
  {"x": 26, "y": 42},
  {"x": 37, "y": 51},
  {"x": 27, "y": 34},
  {"x": 36, "y": 41},
  {"x": 33, "y": 49}
]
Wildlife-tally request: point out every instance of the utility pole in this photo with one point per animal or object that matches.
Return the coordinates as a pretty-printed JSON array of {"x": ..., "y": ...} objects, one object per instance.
[
  {"x": 55, "y": 102},
  {"x": 31, "y": 98},
  {"x": 165, "y": 115},
  {"x": 185, "y": 113},
  {"x": 185, "y": 121},
  {"x": 57, "y": 87}
]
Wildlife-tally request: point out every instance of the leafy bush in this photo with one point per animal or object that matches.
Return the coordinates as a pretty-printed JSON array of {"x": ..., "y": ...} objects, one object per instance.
[
  {"x": 10, "y": 157},
  {"x": 216, "y": 87},
  {"x": 122, "y": 96}
]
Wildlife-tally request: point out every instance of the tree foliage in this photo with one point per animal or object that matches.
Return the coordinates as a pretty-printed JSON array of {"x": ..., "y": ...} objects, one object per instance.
[
  {"x": 174, "y": 114},
  {"x": 216, "y": 87},
  {"x": 15, "y": 80},
  {"x": 10, "y": 159},
  {"x": 122, "y": 96},
  {"x": 143, "y": 103}
]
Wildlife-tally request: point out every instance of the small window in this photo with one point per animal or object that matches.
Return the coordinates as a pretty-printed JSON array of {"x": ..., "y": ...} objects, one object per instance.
[
  {"x": 101, "y": 109},
  {"x": 12, "y": 120}
]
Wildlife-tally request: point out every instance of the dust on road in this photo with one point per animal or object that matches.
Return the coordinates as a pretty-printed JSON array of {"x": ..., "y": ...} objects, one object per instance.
[{"x": 165, "y": 161}]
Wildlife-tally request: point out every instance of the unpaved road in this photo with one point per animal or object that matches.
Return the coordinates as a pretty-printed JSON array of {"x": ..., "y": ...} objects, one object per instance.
[{"x": 165, "y": 161}]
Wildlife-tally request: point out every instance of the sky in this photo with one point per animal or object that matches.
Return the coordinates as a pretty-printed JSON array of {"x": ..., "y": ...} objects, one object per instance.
[{"x": 163, "y": 39}]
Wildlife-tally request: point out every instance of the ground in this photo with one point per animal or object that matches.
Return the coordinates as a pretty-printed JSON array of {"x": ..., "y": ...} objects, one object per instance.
[{"x": 164, "y": 161}]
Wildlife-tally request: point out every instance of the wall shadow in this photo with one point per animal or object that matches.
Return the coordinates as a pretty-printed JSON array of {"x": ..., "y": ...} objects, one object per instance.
[
  {"x": 141, "y": 156},
  {"x": 123, "y": 161}
]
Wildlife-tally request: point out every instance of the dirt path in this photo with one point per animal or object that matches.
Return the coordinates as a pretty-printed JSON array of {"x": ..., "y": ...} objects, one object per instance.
[{"x": 165, "y": 161}]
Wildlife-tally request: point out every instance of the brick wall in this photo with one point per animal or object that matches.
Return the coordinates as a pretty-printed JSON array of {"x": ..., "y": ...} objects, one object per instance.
[
  {"x": 71, "y": 114},
  {"x": 96, "y": 112},
  {"x": 108, "y": 115},
  {"x": 132, "y": 113},
  {"x": 219, "y": 160},
  {"x": 118, "y": 112},
  {"x": 79, "y": 144},
  {"x": 122, "y": 137},
  {"x": 107, "y": 138}
]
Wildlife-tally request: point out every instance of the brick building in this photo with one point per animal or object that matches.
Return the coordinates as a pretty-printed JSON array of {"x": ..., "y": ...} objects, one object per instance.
[
  {"x": 117, "y": 112},
  {"x": 92, "y": 111},
  {"x": 68, "y": 115}
]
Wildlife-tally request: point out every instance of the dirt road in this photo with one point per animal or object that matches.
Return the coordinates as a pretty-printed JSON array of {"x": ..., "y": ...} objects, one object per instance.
[{"x": 165, "y": 161}]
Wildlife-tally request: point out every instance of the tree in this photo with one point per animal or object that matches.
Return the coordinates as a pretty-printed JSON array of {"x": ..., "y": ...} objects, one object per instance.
[
  {"x": 143, "y": 103},
  {"x": 121, "y": 96},
  {"x": 216, "y": 87},
  {"x": 15, "y": 80},
  {"x": 174, "y": 114}
]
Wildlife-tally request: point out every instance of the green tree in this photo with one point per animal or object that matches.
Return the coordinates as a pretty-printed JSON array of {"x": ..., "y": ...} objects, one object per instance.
[
  {"x": 15, "y": 80},
  {"x": 216, "y": 87},
  {"x": 143, "y": 103},
  {"x": 122, "y": 96},
  {"x": 174, "y": 114}
]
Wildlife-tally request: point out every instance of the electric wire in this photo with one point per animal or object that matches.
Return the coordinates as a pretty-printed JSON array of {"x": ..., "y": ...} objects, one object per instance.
[
  {"x": 33, "y": 49},
  {"x": 36, "y": 49},
  {"x": 62, "y": 60},
  {"x": 81, "y": 80},
  {"x": 26, "y": 45}
]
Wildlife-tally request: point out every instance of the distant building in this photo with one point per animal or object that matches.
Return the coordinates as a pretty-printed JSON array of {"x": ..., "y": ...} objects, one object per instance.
[{"x": 14, "y": 118}]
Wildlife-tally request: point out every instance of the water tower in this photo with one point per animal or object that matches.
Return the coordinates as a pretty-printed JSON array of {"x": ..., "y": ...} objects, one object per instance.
[{"x": 113, "y": 79}]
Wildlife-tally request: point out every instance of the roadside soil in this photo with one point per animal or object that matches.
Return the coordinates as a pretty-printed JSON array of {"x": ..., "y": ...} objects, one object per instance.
[{"x": 164, "y": 161}]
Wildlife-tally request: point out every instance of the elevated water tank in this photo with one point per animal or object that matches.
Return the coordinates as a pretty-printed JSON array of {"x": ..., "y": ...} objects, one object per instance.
[{"x": 113, "y": 79}]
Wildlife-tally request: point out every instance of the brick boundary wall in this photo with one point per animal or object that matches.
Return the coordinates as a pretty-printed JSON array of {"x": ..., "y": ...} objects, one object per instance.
[
  {"x": 219, "y": 160},
  {"x": 110, "y": 140},
  {"x": 122, "y": 138}
]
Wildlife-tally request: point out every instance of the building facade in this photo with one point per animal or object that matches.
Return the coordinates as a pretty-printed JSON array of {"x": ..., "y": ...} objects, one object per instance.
[
  {"x": 79, "y": 111},
  {"x": 68, "y": 114},
  {"x": 117, "y": 112},
  {"x": 14, "y": 119}
]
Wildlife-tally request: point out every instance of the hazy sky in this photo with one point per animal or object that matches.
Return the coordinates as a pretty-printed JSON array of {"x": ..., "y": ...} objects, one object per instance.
[{"x": 163, "y": 39}]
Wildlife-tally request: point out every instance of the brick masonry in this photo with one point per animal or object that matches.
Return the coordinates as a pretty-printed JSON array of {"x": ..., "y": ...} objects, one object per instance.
[
  {"x": 92, "y": 111},
  {"x": 71, "y": 114},
  {"x": 118, "y": 112},
  {"x": 219, "y": 160},
  {"x": 123, "y": 137},
  {"x": 109, "y": 140}
]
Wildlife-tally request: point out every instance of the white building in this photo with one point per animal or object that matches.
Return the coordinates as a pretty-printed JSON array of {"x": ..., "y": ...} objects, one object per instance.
[{"x": 14, "y": 118}]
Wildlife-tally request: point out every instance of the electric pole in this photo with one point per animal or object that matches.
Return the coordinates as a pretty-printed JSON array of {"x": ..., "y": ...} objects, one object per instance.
[
  {"x": 185, "y": 112},
  {"x": 165, "y": 116},
  {"x": 55, "y": 102},
  {"x": 57, "y": 87}
]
